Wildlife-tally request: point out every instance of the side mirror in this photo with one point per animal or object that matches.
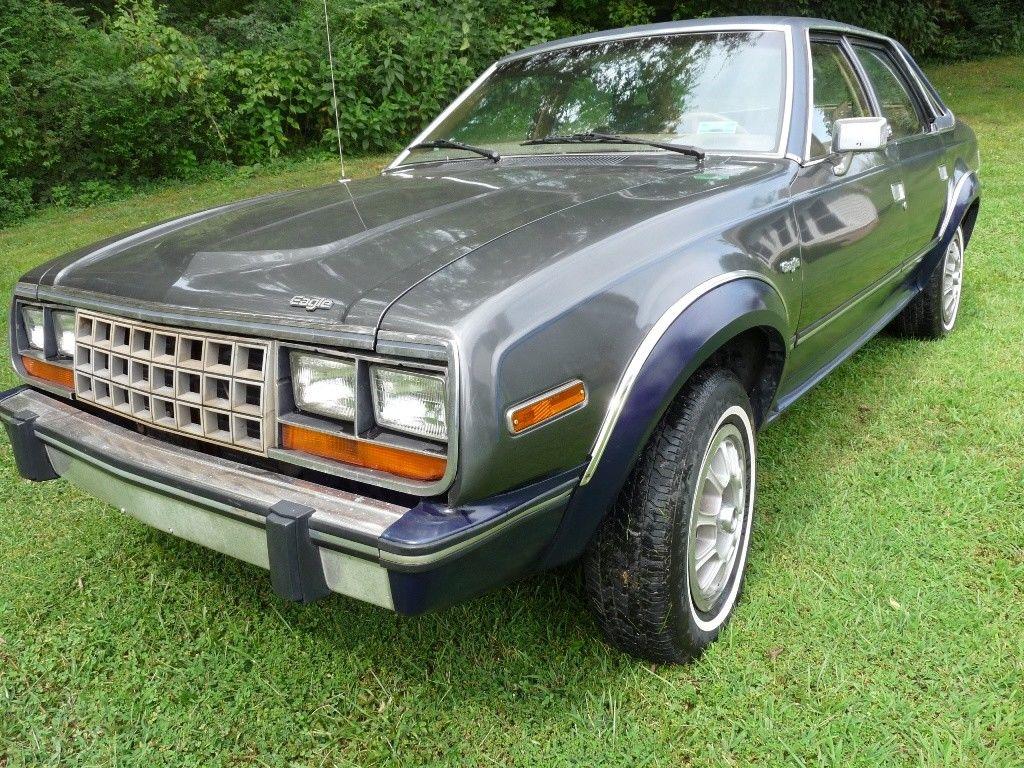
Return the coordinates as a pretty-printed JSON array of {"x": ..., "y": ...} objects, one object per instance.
[{"x": 857, "y": 134}]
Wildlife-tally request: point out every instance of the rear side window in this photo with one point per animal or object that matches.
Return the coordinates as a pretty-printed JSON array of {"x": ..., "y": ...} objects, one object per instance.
[
  {"x": 892, "y": 90},
  {"x": 837, "y": 94}
]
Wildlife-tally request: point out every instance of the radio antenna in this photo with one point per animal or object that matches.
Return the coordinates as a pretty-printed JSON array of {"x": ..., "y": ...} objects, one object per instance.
[{"x": 334, "y": 95}]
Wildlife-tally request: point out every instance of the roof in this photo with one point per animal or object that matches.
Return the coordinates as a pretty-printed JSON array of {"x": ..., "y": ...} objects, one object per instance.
[{"x": 796, "y": 23}]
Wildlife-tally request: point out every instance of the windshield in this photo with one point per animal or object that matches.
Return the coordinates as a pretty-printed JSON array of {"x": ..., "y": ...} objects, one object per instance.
[{"x": 719, "y": 92}]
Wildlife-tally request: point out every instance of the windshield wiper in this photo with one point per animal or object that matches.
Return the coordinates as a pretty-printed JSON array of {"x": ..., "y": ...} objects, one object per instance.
[
  {"x": 490, "y": 154},
  {"x": 614, "y": 138}
]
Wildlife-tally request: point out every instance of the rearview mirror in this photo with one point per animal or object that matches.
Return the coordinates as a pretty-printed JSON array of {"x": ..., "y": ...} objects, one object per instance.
[{"x": 860, "y": 134}]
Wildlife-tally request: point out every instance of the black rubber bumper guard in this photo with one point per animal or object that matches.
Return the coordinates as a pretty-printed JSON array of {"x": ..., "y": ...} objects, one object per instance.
[{"x": 296, "y": 571}]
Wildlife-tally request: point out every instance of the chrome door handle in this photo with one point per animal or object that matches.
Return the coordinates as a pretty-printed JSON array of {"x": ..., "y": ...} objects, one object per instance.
[
  {"x": 899, "y": 193},
  {"x": 790, "y": 265}
]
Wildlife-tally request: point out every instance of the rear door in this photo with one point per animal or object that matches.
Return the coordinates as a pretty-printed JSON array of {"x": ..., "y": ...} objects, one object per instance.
[
  {"x": 852, "y": 231},
  {"x": 920, "y": 149}
]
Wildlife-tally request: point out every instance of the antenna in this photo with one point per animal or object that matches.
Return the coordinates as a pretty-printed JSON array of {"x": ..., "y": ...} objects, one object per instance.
[{"x": 334, "y": 95}]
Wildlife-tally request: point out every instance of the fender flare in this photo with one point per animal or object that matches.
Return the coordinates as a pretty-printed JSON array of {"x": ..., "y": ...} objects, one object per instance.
[
  {"x": 673, "y": 350},
  {"x": 962, "y": 196}
]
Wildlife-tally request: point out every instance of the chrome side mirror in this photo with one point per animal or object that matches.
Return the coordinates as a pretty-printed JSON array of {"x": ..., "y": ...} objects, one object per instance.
[{"x": 857, "y": 134}]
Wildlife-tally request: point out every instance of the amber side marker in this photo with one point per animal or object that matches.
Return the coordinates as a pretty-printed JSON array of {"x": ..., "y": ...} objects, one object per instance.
[
  {"x": 546, "y": 407},
  {"x": 415, "y": 466},
  {"x": 48, "y": 372}
]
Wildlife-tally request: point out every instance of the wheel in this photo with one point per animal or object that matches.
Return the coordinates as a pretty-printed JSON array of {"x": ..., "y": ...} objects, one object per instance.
[
  {"x": 664, "y": 569},
  {"x": 932, "y": 314}
]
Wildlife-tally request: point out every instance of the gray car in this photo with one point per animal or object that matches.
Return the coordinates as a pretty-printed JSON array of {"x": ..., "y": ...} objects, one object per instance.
[{"x": 551, "y": 328}]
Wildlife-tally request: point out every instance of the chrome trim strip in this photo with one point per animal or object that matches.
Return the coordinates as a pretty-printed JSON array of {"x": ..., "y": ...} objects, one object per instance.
[
  {"x": 636, "y": 363},
  {"x": 648, "y": 31},
  {"x": 390, "y": 558},
  {"x": 444, "y": 113},
  {"x": 954, "y": 195},
  {"x": 518, "y": 406}
]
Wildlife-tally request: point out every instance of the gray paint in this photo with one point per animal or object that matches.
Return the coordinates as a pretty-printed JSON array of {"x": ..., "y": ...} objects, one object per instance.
[{"x": 544, "y": 270}]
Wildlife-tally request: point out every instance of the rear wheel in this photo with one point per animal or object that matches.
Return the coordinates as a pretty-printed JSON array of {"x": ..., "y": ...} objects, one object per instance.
[
  {"x": 933, "y": 312},
  {"x": 665, "y": 568}
]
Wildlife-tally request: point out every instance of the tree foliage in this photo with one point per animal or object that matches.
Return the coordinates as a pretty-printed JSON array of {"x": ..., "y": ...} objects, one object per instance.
[{"x": 97, "y": 95}]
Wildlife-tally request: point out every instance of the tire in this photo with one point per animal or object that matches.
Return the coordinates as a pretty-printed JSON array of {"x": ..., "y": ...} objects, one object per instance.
[
  {"x": 637, "y": 568},
  {"x": 932, "y": 313}
]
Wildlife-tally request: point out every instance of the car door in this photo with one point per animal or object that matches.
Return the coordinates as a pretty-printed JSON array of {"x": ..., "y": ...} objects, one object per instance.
[
  {"x": 920, "y": 150},
  {"x": 852, "y": 231}
]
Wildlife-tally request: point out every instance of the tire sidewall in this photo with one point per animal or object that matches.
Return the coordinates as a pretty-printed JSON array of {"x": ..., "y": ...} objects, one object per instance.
[{"x": 728, "y": 404}]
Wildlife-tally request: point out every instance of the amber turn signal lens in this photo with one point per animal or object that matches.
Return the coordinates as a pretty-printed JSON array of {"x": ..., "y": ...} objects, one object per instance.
[
  {"x": 48, "y": 372},
  {"x": 546, "y": 407},
  {"x": 415, "y": 466}
]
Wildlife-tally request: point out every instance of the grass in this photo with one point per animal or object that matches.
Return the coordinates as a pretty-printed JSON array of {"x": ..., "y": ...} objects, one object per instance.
[{"x": 881, "y": 624}]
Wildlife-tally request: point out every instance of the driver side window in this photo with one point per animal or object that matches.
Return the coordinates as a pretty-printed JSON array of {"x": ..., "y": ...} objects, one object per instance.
[{"x": 837, "y": 94}]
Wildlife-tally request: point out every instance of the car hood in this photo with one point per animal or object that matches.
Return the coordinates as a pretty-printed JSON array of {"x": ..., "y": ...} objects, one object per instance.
[{"x": 361, "y": 245}]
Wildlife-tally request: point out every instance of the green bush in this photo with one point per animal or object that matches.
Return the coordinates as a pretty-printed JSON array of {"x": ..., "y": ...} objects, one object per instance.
[{"x": 125, "y": 91}]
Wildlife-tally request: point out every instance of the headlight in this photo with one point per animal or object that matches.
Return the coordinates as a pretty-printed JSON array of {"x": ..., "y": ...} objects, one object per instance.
[
  {"x": 324, "y": 385},
  {"x": 64, "y": 331},
  {"x": 409, "y": 402},
  {"x": 34, "y": 329}
]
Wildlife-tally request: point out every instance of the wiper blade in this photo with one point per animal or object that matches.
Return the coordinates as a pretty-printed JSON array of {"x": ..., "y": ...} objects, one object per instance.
[
  {"x": 614, "y": 138},
  {"x": 490, "y": 154}
]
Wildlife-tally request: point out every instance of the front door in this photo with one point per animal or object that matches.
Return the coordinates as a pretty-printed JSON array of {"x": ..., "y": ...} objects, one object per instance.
[
  {"x": 852, "y": 229},
  {"x": 921, "y": 152}
]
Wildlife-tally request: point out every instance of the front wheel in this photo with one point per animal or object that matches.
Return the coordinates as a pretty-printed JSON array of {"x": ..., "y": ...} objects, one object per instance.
[{"x": 664, "y": 569}]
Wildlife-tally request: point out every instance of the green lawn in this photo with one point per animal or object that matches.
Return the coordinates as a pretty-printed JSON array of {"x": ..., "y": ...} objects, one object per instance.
[{"x": 882, "y": 621}]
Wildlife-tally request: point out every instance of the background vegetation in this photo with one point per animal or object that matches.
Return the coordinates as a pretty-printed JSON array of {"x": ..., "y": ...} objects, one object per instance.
[
  {"x": 880, "y": 624},
  {"x": 98, "y": 97}
]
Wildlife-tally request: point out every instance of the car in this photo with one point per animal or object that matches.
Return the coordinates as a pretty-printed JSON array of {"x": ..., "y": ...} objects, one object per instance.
[{"x": 551, "y": 330}]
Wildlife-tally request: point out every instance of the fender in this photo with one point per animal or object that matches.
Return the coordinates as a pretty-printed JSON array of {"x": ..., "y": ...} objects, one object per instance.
[
  {"x": 672, "y": 351},
  {"x": 964, "y": 192}
]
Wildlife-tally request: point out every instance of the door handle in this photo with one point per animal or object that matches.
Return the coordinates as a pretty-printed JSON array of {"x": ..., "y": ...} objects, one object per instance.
[
  {"x": 790, "y": 265},
  {"x": 899, "y": 193}
]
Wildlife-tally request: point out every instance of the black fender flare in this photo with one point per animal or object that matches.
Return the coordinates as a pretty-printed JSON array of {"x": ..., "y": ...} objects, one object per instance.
[
  {"x": 962, "y": 195},
  {"x": 672, "y": 351}
]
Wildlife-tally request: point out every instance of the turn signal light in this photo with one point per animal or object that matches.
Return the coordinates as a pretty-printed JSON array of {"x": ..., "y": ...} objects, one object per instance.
[
  {"x": 547, "y": 407},
  {"x": 48, "y": 372},
  {"x": 385, "y": 458}
]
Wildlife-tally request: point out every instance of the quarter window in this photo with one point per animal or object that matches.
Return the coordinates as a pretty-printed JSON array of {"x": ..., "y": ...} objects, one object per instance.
[
  {"x": 892, "y": 91},
  {"x": 837, "y": 94}
]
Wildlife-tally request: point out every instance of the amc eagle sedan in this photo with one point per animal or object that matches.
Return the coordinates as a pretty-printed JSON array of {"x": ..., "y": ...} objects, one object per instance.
[{"x": 551, "y": 329}]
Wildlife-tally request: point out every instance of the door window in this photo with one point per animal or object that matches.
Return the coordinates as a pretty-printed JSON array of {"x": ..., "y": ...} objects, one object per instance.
[
  {"x": 893, "y": 93},
  {"x": 837, "y": 94}
]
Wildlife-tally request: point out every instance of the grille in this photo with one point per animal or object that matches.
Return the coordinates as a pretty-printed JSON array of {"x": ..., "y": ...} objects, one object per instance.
[{"x": 206, "y": 386}]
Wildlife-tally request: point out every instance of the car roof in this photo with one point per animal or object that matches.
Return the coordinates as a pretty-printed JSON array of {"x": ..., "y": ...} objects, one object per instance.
[{"x": 796, "y": 23}]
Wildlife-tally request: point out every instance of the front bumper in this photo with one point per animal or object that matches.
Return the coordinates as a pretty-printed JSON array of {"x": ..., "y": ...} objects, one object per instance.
[{"x": 314, "y": 539}]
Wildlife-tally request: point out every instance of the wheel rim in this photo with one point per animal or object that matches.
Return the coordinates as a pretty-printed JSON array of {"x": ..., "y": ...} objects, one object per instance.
[
  {"x": 952, "y": 281},
  {"x": 717, "y": 524}
]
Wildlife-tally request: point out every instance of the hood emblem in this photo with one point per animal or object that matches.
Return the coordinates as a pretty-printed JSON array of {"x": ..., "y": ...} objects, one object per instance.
[{"x": 311, "y": 303}]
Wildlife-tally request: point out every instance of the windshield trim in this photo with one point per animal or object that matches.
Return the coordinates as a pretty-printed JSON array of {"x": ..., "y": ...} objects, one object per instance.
[{"x": 682, "y": 29}]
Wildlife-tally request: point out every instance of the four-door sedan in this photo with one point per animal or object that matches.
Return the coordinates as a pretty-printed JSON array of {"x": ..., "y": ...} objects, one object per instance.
[{"x": 551, "y": 328}]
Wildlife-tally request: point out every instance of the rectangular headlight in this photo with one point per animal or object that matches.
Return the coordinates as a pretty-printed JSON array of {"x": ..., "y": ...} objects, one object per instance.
[
  {"x": 324, "y": 385},
  {"x": 35, "y": 330},
  {"x": 409, "y": 402},
  {"x": 64, "y": 331}
]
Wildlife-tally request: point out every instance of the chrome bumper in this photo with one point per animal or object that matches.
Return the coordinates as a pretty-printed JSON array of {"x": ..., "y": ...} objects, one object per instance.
[
  {"x": 214, "y": 502},
  {"x": 314, "y": 539}
]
